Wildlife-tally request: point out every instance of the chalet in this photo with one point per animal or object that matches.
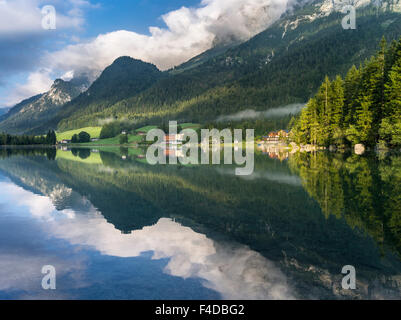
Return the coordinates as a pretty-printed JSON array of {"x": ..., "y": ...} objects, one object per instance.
[
  {"x": 276, "y": 136},
  {"x": 65, "y": 141},
  {"x": 173, "y": 139}
]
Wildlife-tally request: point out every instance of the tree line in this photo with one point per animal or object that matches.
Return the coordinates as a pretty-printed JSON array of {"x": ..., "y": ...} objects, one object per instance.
[
  {"x": 365, "y": 107},
  {"x": 26, "y": 140}
]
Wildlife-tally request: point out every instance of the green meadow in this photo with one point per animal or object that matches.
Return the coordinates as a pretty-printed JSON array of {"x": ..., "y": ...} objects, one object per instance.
[{"x": 67, "y": 135}]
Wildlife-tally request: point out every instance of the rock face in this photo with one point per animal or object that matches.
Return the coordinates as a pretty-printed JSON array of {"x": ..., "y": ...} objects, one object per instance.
[
  {"x": 359, "y": 149},
  {"x": 34, "y": 111}
]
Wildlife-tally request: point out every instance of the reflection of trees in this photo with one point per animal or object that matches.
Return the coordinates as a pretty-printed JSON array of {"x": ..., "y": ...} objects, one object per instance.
[
  {"x": 50, "y": 153},
  {"x": 82, "y": 153},
  {"x": 279, "y": 220},
  {"x": 363, "y": 190}
]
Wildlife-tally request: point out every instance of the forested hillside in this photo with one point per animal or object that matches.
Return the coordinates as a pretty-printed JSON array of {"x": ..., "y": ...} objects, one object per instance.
[
  {"x": 283, "y": 65},
  {"x": 365, "y": 107},
  {"x": 126, "y": 77}
]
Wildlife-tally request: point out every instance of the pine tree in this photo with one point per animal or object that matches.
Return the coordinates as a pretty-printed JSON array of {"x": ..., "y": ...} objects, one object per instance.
[
  {"x": 337, "y": 110},
  {"x": 364, "y": 108},
  {"x": 390, "y": 129},
  {"x": 393, "y": 91},
  {"x": 351, "y": 92}
]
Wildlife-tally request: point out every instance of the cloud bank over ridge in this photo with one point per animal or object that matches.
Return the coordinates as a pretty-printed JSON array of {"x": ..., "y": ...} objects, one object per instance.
[{"x": 188, "y": 32}]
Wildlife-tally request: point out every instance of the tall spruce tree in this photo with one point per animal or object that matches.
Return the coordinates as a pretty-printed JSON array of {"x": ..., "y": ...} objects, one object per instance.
[{"x": 364, "y": 108}]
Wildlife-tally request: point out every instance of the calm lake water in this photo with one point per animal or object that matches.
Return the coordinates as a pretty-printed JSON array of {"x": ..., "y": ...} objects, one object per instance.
[{"x": 115, "y": 227}]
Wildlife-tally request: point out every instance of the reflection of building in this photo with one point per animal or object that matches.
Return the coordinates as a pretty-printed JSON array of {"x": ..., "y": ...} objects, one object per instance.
[
  {"x": 174, "y": 152},
  {"x": 275, "y": 150},
  {"x": 173, "y": 139},
  {"x": 278, "y": 155}
]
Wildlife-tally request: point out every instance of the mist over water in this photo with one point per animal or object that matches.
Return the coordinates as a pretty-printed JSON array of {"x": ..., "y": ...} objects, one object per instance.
[{"x": 271, "y": 113}]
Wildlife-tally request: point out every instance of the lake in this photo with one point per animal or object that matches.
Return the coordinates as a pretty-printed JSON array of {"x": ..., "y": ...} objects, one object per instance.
[{"x": 114, "y": 227}]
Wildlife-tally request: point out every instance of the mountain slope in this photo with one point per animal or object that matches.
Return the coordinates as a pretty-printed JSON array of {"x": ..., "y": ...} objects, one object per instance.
[
  {"x": 36, "y": 110},
  {"x": 126, "y": 77},
  {"x": 282, "y": 65},
  {"x": 3, "y": 111}
]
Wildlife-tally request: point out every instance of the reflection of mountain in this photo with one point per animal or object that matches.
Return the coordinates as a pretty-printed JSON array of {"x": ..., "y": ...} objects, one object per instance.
[
  {"x": 365, "y": 191},
  {"x": 277, "y": 220},
  {"x": 232, "y": 270}
]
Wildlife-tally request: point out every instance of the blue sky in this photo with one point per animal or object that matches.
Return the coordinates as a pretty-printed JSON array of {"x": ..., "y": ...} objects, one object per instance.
[
  {"x": 91, "y": 34},
  {"x": 134, "y": 15}
]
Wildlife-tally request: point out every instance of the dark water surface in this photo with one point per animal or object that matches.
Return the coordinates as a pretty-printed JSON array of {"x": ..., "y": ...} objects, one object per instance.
[{"x": 115, "y": 227}]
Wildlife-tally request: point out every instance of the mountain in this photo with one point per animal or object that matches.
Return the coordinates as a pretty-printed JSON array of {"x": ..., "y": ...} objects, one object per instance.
[
  {"x": 126, "y": 77},
  {"x": 3, "y": 111},
  {"x": 36, "y": 110},
  {"x": 284, "y": 64}
]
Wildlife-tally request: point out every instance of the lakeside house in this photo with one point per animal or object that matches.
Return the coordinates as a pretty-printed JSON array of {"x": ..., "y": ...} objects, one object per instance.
[
  {"x": 65, "y": 141},
  {"x": 276, "y": 136},
  {"x": 173, "y": 139}
]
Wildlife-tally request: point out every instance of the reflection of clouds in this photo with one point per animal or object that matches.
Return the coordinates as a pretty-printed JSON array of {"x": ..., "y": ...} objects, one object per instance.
[
  {"x": 283, "y": 178},
  {"x": 236, "y": 272},
  {"x": 21, "y": 272},
  {"x": 39, "y": 206},
  {"x": 24, "y": 245}
]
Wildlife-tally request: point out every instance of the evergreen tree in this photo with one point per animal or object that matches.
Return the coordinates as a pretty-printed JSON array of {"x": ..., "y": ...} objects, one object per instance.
[
  {"x": 337, "y": 111},
  {"x": 75, "y": 139},
  {"x": 84, "y": 137},
  {"x": 390, "y": 129},
  {"x": 364, "y": 108},
  {"x": 351, "y": 92}
]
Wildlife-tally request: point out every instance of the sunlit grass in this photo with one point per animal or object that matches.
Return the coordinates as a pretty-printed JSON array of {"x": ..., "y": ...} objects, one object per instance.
[
  {"x": 94, "y": 158},
  {"x": 67, "y": 135}
]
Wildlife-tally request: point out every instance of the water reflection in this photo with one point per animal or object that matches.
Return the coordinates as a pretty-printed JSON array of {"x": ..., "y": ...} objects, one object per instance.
[
  {"x": 232, "y": 270},
  {"x": 285, "y": 232},
  {"x": 365, "y": 191}
]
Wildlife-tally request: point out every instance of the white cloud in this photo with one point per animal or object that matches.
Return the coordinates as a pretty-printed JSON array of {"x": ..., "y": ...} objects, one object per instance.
[
  {"x": 23, "y": 42},
  {"x": 38, "y": 82},
  {"x": 22, "y": 17},
  {"x": 188, "y": 32}
]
